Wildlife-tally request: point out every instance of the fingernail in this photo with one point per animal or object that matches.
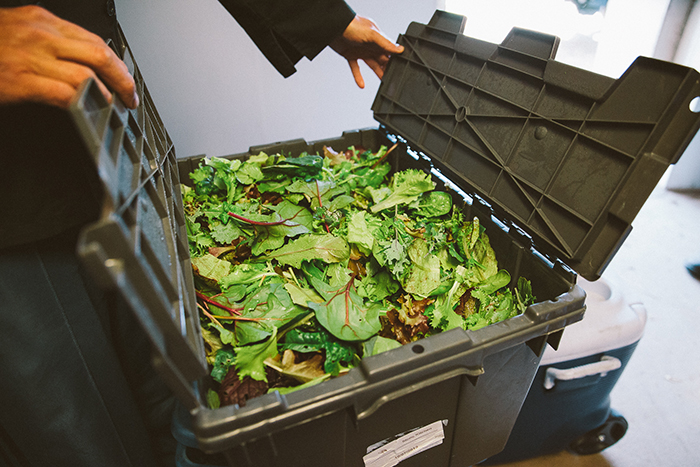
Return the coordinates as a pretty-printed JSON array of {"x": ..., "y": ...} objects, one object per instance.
[{"x": 135, "y": 101}]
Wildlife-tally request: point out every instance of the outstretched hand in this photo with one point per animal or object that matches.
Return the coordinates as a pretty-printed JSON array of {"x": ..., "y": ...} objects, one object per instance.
[
  {"x": 44, "y": 59},
  {"x": 362, "y": 40}
]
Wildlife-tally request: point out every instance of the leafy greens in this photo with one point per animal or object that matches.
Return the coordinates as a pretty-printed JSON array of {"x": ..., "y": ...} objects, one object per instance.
[{"x": 304, "y": 265}]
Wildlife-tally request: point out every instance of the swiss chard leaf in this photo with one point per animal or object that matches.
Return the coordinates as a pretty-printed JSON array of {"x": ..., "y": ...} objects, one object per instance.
[
  {"x": 268, "y": 309},
  {"x": 345, "y": 314}
]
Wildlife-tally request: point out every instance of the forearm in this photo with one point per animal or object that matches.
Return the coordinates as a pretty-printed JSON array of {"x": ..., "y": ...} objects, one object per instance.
[{"x": 287, "y": 30}]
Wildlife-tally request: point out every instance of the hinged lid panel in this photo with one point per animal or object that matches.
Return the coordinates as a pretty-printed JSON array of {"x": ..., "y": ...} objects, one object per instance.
[
  {"x": 139, "y": 246},
  {"x": 568, "y": 155}
]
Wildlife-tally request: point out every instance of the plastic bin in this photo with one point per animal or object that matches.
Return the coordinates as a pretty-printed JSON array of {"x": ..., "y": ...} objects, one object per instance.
[{"x": 555, "y": 161}]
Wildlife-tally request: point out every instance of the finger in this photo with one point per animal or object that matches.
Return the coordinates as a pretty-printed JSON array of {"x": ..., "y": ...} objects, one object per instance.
[
  {"x": 385, "y": 44},
  {"x": 376, "y": 68},
  {"x": 70, "y": 73},
  {"x": 69, "y": 41},
  {"x": 105, "y": 63},
  {"x": 355, "y": 68},
  {"x": 40, "y": 89}
]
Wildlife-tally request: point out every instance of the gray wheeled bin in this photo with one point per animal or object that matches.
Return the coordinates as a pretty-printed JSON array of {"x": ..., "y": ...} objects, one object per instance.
[{"x": 554, "y": 160}]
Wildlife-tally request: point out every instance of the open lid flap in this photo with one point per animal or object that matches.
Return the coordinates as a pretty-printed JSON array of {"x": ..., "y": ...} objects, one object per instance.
[
  {"x": 139, "y": 246},
  {"x": 566, "y": 155}
]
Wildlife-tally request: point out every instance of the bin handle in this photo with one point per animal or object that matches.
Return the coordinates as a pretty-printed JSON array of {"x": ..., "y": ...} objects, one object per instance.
[
  {"x": 392, "y": 395},
  {"x": 602, "y": 367}
]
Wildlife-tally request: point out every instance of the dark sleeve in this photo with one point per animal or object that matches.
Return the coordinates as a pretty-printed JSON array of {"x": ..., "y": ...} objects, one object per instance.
[{"x": 287, "y": 30}]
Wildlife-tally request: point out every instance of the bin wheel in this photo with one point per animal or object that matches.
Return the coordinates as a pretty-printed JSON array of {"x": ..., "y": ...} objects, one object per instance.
[{"x": 602, "y": 437}]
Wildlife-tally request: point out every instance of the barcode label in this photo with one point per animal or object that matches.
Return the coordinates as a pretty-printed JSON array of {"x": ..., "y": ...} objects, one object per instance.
[{"x": 390, "y": 453}]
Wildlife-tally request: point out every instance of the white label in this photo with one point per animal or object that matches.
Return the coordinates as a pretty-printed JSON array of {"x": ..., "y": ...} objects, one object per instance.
[{"x": 390, "y": 453}]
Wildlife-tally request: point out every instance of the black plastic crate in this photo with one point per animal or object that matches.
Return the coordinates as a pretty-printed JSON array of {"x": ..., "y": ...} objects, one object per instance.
[{"x": 501, "y": 126}]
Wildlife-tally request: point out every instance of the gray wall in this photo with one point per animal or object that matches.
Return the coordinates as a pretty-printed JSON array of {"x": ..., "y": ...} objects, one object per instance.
[{"x": 218, "y": 95}]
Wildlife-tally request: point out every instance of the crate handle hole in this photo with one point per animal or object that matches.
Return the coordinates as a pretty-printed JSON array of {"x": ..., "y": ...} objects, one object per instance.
[
  {"x": 418, "y": 348},
  {"x": 695, "y": 105}
]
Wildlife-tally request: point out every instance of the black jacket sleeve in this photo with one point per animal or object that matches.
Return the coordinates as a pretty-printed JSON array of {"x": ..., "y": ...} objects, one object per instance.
[{"x": 287, "y": 30}]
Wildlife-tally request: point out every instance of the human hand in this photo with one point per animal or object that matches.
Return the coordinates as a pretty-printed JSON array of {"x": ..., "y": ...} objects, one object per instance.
[
  {"x": 44, "y": 59},
  {"x": 362, "y": 40}
]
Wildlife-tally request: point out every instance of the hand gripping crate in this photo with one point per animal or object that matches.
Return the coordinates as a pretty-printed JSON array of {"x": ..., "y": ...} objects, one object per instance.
[{"x": 555, "y": 161}]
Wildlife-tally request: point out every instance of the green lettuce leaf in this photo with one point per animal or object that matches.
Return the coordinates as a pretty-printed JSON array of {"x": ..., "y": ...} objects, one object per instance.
[
  {"x": 425, "y": 272},
  {"x": 432, "y": 204},
  {"x": 326, "y": 247},
  {"x": 443, "y": 316},
  {"x": 249, "y": 359},
  {"x": 359, "y": 232},
  {"x": 211, "y": 268},
  {"x": 377, "y": 345},
  {"x": 406, "y": 187},
  {"x": 244, "y": 274}
]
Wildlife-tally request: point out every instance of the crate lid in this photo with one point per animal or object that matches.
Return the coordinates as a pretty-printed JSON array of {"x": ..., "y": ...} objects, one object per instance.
[
  {"x": 139, "y": 245},
  {"x": 566, "y": 155}
]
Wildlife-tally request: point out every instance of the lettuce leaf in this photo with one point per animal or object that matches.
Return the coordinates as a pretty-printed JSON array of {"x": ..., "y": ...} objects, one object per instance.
[
  {"x": 250, "y": 359},
  {"x": 406, "y": 187},
  {"x": 326, "y": 247}
]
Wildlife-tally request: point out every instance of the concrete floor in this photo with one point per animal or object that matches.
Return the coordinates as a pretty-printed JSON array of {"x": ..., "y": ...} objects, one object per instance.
[{"x": 659, "y": 391}]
